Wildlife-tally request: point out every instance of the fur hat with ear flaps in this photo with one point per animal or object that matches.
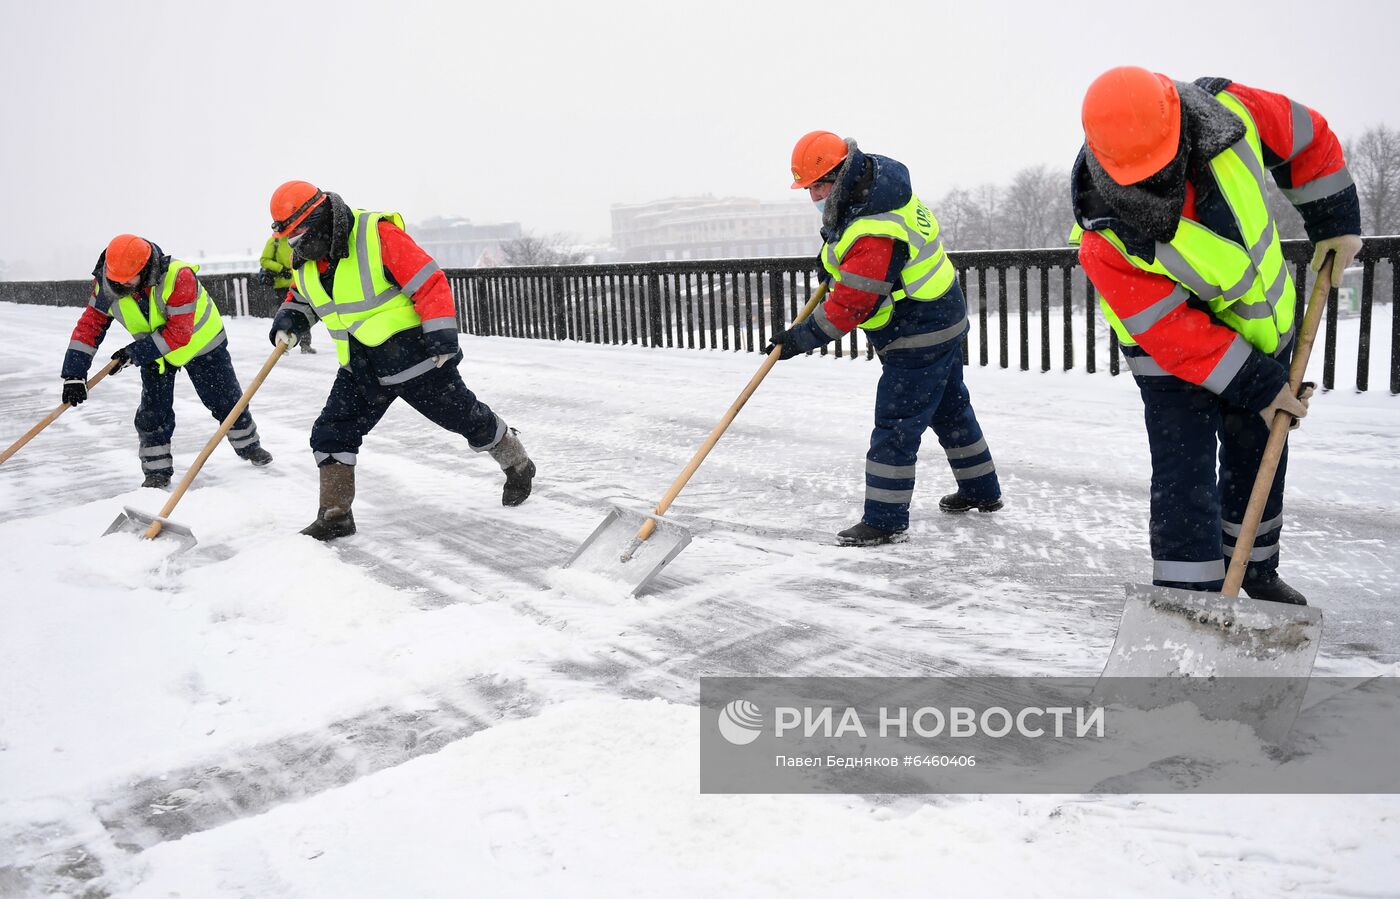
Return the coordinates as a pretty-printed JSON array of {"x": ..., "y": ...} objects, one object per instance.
[{"x": 845, "y": 187}]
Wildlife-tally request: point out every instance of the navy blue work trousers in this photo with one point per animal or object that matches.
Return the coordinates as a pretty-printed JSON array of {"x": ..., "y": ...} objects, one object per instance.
[
  {"x": 921, "y": 389},
  {"x": 214, "y": 382},
  {"x": 1196, "y": 508},
  {"x": 358, "y": 400}
]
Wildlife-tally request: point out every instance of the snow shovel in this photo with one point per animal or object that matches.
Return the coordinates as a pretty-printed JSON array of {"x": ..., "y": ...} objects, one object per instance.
[
  {"x": 1169, "y": 633},
  {"x": 152, "y": 526},
  {"x": 633, "y": 547},
  {"x": 53, "y": 416}
]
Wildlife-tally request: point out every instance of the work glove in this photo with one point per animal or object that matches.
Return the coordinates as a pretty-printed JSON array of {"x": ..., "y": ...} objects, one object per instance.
[
  {"x": 285, "y": 321},
  {"x": 290, "y": 338},
  {"x": 785, "y": 340},
  {"x": 122, "y": 357},
  {"x": 265, "y": 277},
  {"x": 1346, "y": 246},
  {"x": 74, "y": 391},
  {"x": 1297, "y": 406}
]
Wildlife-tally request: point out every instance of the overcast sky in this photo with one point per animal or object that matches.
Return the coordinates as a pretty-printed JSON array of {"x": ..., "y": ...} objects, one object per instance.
[{"x": 176, "y": 120}]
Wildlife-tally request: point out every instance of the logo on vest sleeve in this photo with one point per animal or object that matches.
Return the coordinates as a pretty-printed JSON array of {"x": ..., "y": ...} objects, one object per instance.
[{"x": 923, "y": 217}]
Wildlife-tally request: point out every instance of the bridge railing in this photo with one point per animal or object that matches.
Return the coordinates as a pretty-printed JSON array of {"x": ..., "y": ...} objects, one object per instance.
[{"x": 1028, "y": 308}]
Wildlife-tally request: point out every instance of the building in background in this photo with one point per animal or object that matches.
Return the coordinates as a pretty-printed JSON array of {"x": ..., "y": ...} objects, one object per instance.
[
  {"x": 714, "y": 228},
  {"x": 457, "y": 243},
  {"x": 453, "y": 242},
  {"x": 227, "y": 263}
]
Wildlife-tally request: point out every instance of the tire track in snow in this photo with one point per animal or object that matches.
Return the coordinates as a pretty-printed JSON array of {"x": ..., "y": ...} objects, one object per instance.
[{"x": 250, "y": 781}]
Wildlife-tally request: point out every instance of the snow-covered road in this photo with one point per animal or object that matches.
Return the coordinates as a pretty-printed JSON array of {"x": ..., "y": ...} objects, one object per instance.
[{"x": 246, "y": 718}]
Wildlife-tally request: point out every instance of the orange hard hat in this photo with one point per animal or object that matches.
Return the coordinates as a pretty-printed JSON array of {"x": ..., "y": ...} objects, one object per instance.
[
  {"x": 126, "y": 256},
  {"x": 816, "y": 154},
  {"x": 292, "y": 203},
  {"x": 1132, "y": 122}
]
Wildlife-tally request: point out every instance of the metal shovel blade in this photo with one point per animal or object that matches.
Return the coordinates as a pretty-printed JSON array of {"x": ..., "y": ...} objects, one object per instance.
[
  {"x": 1237, "y": 658},
  {"x": 602, "y": 553},
  {"x": 134, "y": 521}
]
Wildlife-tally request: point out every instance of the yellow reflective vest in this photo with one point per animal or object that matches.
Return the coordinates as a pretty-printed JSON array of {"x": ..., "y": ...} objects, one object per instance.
[
  {"x": 208, "y": 332},
  {"x": 277, "y": 258},
  {"x": 927, "y": 274},
  {"x": 362, "y": 303}
]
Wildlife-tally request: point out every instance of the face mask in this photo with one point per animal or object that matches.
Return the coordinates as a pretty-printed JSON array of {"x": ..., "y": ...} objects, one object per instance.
[
  {"x": 315, "y": 241},
  {"x": 821, "y": 205}
]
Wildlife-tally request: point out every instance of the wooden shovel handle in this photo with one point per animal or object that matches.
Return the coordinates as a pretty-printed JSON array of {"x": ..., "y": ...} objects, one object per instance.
[
  {"x": 154, "y": 530},
  {"x": 53, "y": 416},
  {"x": 649, "y": 527},
  {"x": 1278, "y": 432}
]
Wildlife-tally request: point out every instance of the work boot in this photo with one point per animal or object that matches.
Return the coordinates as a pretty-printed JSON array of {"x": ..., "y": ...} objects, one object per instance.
[
  {"x": 868, "y": 535},
  {"x": 333, "y": 518},
  {"x": 958, "y": 502},
  {"x": 258, "y": 456},
  {"x": 307, "y": 348},
  {"x": 509, "y": 453},
  {"x": 160, "y": 480},
  {"x": 1271, "y": 588}
]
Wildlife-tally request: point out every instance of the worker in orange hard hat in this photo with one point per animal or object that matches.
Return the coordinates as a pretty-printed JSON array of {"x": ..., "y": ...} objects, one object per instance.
[
  {"x": 890, "y": 276},
  {"x": 176, "y": 325},
  {"x": 815, "y": 157},
  {"x": 275, "y": 273},
  {"x": 1179, "y": 241},
  {"x": 393, "y": 320}
]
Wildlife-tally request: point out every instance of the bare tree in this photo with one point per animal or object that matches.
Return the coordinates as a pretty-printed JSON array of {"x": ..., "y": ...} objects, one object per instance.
[
  {"x": 952, "y": 213},
  {"x": 1374, "y": 160},
  {"x": 1035, "y": 209},
  {"x": 533, "y": 249},
  {"x": 982, "y": 211}
]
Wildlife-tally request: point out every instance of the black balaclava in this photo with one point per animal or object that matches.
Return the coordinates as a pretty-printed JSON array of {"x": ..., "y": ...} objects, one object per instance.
[
  {"x": 315, "y": 242},
  {"x": 329, "y": 235}
]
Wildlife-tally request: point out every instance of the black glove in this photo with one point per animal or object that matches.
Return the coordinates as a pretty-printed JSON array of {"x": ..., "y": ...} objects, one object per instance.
[
  {"x": 786, "y": 341},
  {"x": 290, "y": 322},
  {"x": 74, "y": 391},
  {"x": 122, "y": 357},
  {"x": 265, "y": 277}
]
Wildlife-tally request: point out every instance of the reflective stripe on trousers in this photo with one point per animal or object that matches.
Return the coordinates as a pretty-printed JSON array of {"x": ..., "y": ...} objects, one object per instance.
[
  {"x": 358, "y": 401},
  {"x": 912, "y": 398},
  {"x": 216, "y": 384},
  {"x": 1195, "y": 510}
]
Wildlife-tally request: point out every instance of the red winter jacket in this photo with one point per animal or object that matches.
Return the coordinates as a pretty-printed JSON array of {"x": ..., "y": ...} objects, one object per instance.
[{"x": 846, "y": 307}]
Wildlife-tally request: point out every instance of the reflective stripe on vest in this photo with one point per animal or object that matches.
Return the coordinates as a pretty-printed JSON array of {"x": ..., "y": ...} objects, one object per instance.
[
  {"x": 207, "y": 333},
  {"x": 363, "y": 302},
  {"x": 1248, "y": 287},
  {"x": 927, "y": 274}
]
